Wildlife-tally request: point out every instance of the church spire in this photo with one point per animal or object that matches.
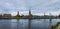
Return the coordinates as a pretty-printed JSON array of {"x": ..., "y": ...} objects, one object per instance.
[
  {"x": 18, "y": 13},
  {"x": 30, "y": 12},
  {"x": 30, "y": 15}
]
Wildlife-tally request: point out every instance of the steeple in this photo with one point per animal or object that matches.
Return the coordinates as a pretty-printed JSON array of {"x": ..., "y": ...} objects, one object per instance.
[
  {"x": 30, "y": 15},
  {"x": 30, "y": 12},
  {"x": 18, "y": 13}
]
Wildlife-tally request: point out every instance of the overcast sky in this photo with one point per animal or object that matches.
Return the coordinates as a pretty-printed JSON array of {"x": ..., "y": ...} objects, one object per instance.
[{"x": 38, "y": 7}]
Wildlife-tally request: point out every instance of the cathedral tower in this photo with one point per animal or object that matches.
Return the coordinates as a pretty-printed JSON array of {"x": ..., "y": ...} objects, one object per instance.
[{"x": 18, "y": 13}]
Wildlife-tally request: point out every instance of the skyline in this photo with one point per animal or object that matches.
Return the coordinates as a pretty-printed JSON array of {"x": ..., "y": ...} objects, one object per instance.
[
  {"x": 49, "y": 14},
  {"x": 38, "y": 7}
]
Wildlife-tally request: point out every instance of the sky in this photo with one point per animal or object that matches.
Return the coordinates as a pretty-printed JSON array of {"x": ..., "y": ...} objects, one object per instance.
[{"x": 37, "y": 7}]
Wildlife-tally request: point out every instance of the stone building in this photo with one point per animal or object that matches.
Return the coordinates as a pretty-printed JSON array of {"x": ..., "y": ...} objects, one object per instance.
[
  {"x": 7, "y": 15},
  {"x": 30, "y": 15},
  {"x": 17, "y": 16}
]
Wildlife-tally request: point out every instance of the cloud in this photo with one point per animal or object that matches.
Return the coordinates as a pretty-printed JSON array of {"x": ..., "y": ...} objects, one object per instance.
[{"x": 37, "y": 6}]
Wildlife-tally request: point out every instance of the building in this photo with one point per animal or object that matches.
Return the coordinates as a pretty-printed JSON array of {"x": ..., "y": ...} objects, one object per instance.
[
  {"x": 17, "y": 16},
  {"x": 30, "y": 15},
  {"x": 7, "y": 15},
  {"x": 0, "y": 15}
]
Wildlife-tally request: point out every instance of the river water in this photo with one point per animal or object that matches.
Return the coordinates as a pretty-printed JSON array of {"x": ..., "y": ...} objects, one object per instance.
[{"x": 24, "y": 23}]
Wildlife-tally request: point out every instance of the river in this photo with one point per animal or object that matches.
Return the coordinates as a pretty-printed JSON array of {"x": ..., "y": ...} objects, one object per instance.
[{"x": 24, "y": 23}]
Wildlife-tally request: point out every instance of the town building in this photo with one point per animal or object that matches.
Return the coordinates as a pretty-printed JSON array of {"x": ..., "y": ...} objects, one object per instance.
[
  {"x": 7, "y": 15},
  {"x": 18, "y": 14},
  {"x": 30, "y": 15}
]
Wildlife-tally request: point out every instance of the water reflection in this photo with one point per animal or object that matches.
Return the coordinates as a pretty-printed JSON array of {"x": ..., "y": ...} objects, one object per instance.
[
  {"x": 24, "y": 23},
  {"x": 5, "y": 24}
]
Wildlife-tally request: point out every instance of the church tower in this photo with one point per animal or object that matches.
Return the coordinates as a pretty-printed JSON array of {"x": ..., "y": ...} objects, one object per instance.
[
  {"x": 18, "y": 13},
  {"x": 30, "y": 15}
]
